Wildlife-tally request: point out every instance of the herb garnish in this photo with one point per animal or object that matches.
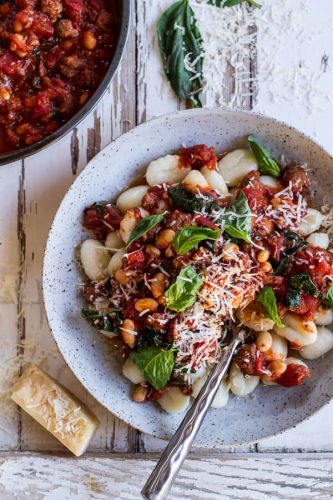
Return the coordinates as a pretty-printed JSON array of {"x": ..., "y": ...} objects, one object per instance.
[
  {"x": 267, "y": 299},
  {"x": 266, "y": 164},
  {"x": 155, "y": 364},
  {"x": 236, "y": 219},
  {"x": 183, "y": 292},
  {"x": 143, "y": 226},
  {"x": 190, "y": 236},
  {"x": 108, "y": 320}
]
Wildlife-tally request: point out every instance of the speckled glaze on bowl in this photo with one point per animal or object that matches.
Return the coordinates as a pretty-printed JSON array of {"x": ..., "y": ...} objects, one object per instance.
[{"x": 270, "y": 410}]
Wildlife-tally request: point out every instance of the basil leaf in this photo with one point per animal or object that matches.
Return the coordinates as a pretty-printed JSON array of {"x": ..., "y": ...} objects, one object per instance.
[
  {"x": 236, "y": 219},
  {"x": 182, "y": 294},
  {"x": 143, "y": 226},
  {"x": 293, "y": 299},
  {"x": 190, "y": 236},
  {"x": 232, "y": 3},
  {"x": 180, "y": 45},
  {"x": 109, "y": 320},
  {"x": 327, "y": 300},
  {"x": 184, "y": 200},
  {"x": 155, "y": 364},
  {"x": 266, "y": 164},
  {"x": 282, "y": 266},
  {"x": 303, "y": 281},
  {"x": 267, "y": 298}
]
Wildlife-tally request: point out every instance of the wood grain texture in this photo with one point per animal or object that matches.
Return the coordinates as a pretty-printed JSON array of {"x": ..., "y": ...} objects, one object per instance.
[{"x": 229, "y": 477}]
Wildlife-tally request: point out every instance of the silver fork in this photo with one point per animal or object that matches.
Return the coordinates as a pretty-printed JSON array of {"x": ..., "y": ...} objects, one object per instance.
[{"x": 165, "y": 472}]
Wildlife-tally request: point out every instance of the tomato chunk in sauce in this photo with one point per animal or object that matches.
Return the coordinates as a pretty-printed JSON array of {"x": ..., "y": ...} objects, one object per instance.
[{"x": 53, "y": 55}]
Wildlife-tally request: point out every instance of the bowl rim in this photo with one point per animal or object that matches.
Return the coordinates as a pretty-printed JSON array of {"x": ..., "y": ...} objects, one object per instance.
[
  {"x": 70, "y": 125},
  {"x": 186, "y": 113}
]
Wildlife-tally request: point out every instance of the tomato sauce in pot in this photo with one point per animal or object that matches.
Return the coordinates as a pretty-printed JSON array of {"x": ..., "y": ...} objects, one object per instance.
[{"x": 53, "y": 56}]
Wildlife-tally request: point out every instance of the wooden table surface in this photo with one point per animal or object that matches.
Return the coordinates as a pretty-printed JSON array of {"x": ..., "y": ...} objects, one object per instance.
[{"x": 288, "y": 75}]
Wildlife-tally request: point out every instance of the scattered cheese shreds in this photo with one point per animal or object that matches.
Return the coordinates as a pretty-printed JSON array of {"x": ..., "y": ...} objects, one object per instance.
[{"x": 55, "y": 408}]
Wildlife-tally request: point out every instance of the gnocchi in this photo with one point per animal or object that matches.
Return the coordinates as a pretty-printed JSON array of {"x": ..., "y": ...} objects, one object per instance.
[
  {"x": 131, "y": 198},
  {"x": 166, "y": 169},
  {"x": 174, "y": 401},
  {"x": 240, "y": 384},
  {"x": 129, "y": 222},
  {"x": 114, "y": 241},
  {"x": 194, "y": 181},
  {"x": 215, "y": 180},
  {"x": 279, "y": 348},
  {"x": 298, "y": 331},
  {"x": 323, "y": 317},
  {"x": 222, "y": 395},
  {"x": 321, "y": 346},
  {"x": 94, "y": 259},
  {"x": 254, "y": 317},
  {"x": 270, "y": 181},
  {"x": 132, "y": 372},
  {"x": 116, "y": 262},
  {"x": 318, "y": 240},
  {"x": 235, "y": 165},
  {"x": 311, "y": 222}
]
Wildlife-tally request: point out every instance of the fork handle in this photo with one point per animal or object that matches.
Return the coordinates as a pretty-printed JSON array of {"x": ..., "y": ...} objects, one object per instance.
[{"x": 162, "y": 477}]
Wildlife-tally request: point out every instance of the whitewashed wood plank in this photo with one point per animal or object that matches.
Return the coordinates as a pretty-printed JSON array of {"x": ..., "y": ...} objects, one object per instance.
[
  {"x": 100, "y": 477},
  {"x": 11, "y": 198}
]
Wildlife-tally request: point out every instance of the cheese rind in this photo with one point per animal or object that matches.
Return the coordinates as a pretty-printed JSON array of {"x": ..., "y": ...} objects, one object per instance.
[{"x": 55, "y": 408}]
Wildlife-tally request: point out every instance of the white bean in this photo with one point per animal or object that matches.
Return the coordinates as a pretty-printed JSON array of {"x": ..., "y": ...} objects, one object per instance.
[
  {"x": 131, "y": 198},
  {"x": 194, "y": 180},
  {"x": 222, "y": 395},
  {"x": 174, "y": 401},
  {"x": 255, "y": 318},
  {"x": 215, "y": 180},
  {"x": 239, "y": 384},
  {"x": 311, "y": 222},
  {"x": 166, "y": 169},
  {"x": 297, "y": 330},
  {"x": 321, "y": 346},
  {"x": 279, "y": 349},
  {"x": 129, "y": 221},
  {"x": 94, "y": 258},
  {"x": 323, "y": 317},
  {"x": 236, "y": 165},
  {"x": 116, "y": 262},
  {"x": 114, "y": 241},
  {"x": 132, "y": 372},
  {"x": 269, "y": 181},
  {"x": 320, "y": 240}
]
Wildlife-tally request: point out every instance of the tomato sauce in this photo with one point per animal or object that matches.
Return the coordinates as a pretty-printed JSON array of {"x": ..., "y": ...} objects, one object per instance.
[{"x": 53, "y": 55}]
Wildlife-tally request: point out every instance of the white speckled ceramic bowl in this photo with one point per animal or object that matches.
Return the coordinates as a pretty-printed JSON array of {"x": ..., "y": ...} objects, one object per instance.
[{"x": 270, "y": 410}]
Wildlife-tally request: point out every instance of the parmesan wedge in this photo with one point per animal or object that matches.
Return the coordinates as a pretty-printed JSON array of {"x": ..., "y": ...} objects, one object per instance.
[{"x": 55, "y": 408}]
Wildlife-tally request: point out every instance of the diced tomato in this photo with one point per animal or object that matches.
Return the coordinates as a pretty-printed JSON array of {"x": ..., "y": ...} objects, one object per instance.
[
  {"x": 308, "y": 306},
  {"x": 198, "y": 156},
  {"x": 201, "y": 220},
  {"x": 9, "y": 63},
  {"x": 316, "y": 261},
  {"x": 256, "y": 198},
  {"x": 42, "y": 25},
  {"x": 40, "y": 104},
  {"x": 74, "y": 9},
  {"x": 275, "y": 244},
  {"x": 135, "y": 260},
  {"x": 294, "y": 375},
  {"x": 102, "y": 218}
]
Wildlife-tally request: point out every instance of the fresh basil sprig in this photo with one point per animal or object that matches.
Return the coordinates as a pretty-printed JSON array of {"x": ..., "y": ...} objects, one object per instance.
[
  {"x": 190, "y": 236},
  {"x": 303, "y": 281},
  {"x": 236, "y": 219},
  {"x": 266, "y": 164},
  {"x": 183, "y": 292},
  {"x": 232, "y": 3},
  {"x": 181, "y": 48},
  {"x": 143, "y": 226},
  {"x": 155, "y": 364},
  {"x": 267, "y": 299}
]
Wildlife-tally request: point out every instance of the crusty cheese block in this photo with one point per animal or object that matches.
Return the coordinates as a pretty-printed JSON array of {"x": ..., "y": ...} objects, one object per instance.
[{"x": 55, "y": 408}]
